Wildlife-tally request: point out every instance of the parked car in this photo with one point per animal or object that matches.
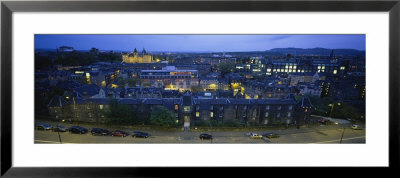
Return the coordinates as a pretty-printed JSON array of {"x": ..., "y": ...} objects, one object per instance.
[
  {"x": 78, "y": 130},
  {"x": 255, "y": 135},
  {"x": 60, "y": 128},
  {"x": 119, "y": 133},
  {"x": 205, "y": 136},
  {"x": 271, "y": 135},
  {"x": 44, "y": 126},
  {"x": 356, "y": 127},
  {"x": 140, "y": 134},
  {"x": 99, "y": 131}
]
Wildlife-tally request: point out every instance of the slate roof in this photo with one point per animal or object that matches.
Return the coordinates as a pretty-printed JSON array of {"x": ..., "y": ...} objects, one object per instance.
[
  {"x": 69, "y": 85},
  {"x": 152, "y": 101},
  {"x": 90, "y": 90},
  {"x": 91, "y": 100},
  {"x": 57, "y": 101},
  {"x": 129, "y": 101},
  {"x": 305, "y": 102}
]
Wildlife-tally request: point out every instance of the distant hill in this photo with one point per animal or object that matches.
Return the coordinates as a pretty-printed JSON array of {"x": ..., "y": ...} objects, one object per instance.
[{"x": 317, "y": 51}]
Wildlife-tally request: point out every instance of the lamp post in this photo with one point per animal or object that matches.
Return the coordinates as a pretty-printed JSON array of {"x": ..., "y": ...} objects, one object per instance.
[
  {"x": 342, "y": 135},
  {"x": 332, "y": 106},
  {"x": 58, "y": 131}
]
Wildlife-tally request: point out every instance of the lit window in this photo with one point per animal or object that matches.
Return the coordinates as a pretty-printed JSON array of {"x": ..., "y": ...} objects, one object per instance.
[
  {"x": 197, "y": 114},
  {"x": 176, "y": 107},
  {"x": 101, "y": 106},
  {"x": 212, "y": 114},
  {"x": 186, "y": 108},
  {"x": 266, "y": 114}
]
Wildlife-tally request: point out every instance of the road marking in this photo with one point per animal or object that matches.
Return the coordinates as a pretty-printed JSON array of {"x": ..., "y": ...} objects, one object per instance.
[
  {"x": 339, "y": 140},
  {"x": 45, "y": 141}
]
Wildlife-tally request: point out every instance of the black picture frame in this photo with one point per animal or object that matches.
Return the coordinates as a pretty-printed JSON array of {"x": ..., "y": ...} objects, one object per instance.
[{"x": 8, "y": 7}]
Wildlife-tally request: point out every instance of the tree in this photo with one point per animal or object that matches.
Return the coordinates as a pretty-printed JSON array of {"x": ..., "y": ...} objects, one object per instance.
[
  {"x": 196, "y": 89},
  {"x": 226, "y": 67},
  {"x": 119, "y": 114},
  {"x": 162, "y": 117}
]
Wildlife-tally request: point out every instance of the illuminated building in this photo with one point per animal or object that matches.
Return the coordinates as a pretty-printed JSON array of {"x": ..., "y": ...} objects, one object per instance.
[
  {"x": 170, "y": 78},
  {"x": 136, "y": 58}
]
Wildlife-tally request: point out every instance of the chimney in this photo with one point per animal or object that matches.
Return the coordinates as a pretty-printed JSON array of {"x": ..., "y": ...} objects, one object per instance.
[{"x": 85, "y": 95}]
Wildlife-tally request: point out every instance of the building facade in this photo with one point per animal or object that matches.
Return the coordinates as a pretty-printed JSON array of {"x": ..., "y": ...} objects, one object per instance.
[
  {"x": 188, "y": 110},
  {"x": 136, "y": 58},
  {"x": 170, "y": 78}
]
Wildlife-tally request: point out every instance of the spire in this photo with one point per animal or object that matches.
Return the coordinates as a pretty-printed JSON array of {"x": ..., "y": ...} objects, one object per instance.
[
  {"x": 331, "y": 55},
  {"x": 135, "y": 51},
  {"x": 143, "y": 51}
]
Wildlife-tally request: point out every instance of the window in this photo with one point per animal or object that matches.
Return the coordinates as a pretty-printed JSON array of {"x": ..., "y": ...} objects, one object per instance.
[
  {"x": 290, "y": 107},
  {"x": 197, "y": 114},
  {"x": 289, "y": 114},
  {"x": 279, "y": 107},
  {"x": 211, "y": 114},
  {"x": 266, "y": 114},
  {"x": 101, "y": 106},
  {"x": 267, "y": 107},
  {"x": 176, "y": 107},
  {"x": 186, "y": 108},
  {"x": 278, "y": 115}
]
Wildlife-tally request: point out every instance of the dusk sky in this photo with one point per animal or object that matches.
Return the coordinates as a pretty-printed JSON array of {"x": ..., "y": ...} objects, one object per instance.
[{"x": 199, "y": 43}]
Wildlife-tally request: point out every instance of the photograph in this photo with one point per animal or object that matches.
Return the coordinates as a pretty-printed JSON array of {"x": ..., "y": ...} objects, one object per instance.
[{"x": 199, "y": 89}]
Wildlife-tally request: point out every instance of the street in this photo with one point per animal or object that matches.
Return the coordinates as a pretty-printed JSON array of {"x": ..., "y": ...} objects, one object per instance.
[{"x": 318, "y": 135}]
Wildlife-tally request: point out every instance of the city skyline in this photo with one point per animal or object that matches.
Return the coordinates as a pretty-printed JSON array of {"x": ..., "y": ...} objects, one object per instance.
[{"x": 198, "y": 42}]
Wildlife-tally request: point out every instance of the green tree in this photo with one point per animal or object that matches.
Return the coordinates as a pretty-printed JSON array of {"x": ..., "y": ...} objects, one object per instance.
[
  {"x": 162, "y": 117},
  {"x": 226, "y": 67},
  {"x": 119, "y": 114},
  {"x": 196, "y": 89},
  {"x": 132, "y": 82}
]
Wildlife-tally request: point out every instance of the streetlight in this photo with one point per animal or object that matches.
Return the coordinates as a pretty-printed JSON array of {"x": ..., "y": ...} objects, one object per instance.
[
  {"x": 332, "y": 106},
  {"x": 342, "y": 135},
  {"x": 58, "y": 131}
]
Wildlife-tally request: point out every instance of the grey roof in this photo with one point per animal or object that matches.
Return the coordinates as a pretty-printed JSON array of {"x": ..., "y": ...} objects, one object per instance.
[
  {"x": 57, "y": 101},
  {"x": 69, "y": 85},
  {"x": 129, "y": 101},
  {"x": 305, "y": 102},
  {"x": 90, "y": 90},
  {"x": 152, "y": 101},
  {"x": 91, "y": 100}
]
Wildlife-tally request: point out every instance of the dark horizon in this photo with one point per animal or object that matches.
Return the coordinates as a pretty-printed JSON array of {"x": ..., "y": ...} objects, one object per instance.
[{"x": 199, "y": 43}]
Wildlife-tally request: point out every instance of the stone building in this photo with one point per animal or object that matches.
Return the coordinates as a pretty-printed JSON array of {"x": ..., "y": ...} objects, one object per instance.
[{"x": 136, "y": 58}]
